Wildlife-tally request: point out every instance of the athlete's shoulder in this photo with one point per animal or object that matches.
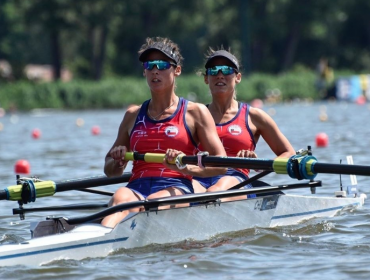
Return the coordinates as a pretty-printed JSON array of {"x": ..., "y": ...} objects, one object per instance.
[
  {"x": 195, "y": 106},
  {"x": 131, "y": 114},
  {"x": 257, "y": 112},
  {"x": 260, "y": 118},
  {"x": 132, "y": 109}
]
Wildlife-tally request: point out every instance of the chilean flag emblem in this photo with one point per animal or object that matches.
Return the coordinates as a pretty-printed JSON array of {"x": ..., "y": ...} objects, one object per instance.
[
  {"x": 171, "y": 131},
  {"x": 234, "y": 129}
]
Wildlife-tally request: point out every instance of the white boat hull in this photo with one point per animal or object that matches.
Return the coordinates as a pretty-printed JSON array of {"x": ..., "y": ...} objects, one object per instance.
[{"x": 173, "y": 225}]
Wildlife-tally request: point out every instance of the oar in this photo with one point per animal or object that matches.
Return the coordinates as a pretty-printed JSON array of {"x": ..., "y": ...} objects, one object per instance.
[
  {"x": 299, "y": 167},
  {"x": 188, "y": 198},
  {"x": 29, "y": 191}
]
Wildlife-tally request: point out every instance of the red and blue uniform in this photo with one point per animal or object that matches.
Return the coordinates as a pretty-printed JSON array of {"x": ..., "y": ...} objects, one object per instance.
[
  {"x": 235, "y": 135},
  {"x": 150, "y": 136}
]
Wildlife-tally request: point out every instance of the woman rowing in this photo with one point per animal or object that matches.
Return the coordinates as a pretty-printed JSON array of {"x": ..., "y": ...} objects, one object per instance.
[
  {"x": 165, "y": 123},
  {"x": 239, "y": 125}
]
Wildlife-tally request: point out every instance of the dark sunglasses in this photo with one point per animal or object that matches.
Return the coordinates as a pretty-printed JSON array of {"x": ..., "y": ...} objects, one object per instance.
[
  {"x": 160, "y": 64},
  {"x": 226, "y": 70}
]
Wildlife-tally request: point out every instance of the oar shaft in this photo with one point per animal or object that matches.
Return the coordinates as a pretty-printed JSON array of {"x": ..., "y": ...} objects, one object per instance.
[
  {"x": 234, "y": 162},
  {"x": 346, "y": 169},
  {"x": 49, "y": 188},
  {"x": 91, "y": 182}
]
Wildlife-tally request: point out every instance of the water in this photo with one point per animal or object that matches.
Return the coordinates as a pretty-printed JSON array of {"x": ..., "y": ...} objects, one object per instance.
[{"x": 335, "y": 248}]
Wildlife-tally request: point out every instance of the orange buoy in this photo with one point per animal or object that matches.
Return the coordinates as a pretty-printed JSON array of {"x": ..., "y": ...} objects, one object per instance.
[
  {"x": 36, "y": 133},
  {"x": 322, "y": 140},
  {"x": 22, "y": 167},
  {"x": 323, "y": 117},
  {"x": 95, "y": 130}
]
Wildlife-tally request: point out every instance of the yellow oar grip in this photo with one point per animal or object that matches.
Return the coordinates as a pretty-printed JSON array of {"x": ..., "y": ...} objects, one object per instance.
[
  {"x": 147, "y": 157},
  {"x": 280, "y": 165},
  {"x": 154, "y": 158},
  {"x": 129, "y": 156},
  {"x": 44, "y": 188}
]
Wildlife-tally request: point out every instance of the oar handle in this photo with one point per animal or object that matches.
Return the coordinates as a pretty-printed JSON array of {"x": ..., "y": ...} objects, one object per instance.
[
  {"x": 215, "y": 161},
  {"x": 147, "y": 157}
]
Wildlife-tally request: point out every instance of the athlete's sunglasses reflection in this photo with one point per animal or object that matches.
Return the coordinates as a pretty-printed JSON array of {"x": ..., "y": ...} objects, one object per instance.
[
  {"x": 226, "y": 70},
  {"x": 160, "y": 64}
]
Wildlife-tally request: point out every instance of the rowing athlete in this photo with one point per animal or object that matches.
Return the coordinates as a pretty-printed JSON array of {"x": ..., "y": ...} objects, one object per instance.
[
  {"x": 239, "y": 125},
  {"x": 166, "y": 123}
]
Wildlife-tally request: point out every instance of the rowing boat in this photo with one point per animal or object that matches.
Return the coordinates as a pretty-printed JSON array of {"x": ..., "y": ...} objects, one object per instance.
[
  {"x": 56, "y": 239},
  {"x": 208, "y": 215}
]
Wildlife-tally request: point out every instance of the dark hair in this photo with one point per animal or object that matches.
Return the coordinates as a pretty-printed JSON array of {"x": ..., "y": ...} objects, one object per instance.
[
  {"x": 164, "y": 45},
  {"x": 221, "y": 52}
]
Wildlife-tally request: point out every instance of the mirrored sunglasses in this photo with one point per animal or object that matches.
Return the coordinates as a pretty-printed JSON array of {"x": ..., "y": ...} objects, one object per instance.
[
  {"x": 160, "y": 64},
  {"x": 226, "y": 70}
]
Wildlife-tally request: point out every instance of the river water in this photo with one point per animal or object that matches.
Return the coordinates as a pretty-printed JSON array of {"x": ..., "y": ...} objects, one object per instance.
[{"x": 333, "y": 248}]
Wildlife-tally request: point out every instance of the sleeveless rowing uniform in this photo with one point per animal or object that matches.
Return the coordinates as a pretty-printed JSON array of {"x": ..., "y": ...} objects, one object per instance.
[
  {"x": 150, "y": 136},
  {"x": 235, "y": 135}
]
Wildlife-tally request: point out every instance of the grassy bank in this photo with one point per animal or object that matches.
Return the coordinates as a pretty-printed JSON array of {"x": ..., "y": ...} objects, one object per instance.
[{"x": 118, "y": 93}]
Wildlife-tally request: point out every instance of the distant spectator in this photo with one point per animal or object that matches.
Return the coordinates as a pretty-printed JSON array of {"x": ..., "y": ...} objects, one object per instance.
[
  {"x": 6, "y": 72},
  {"x": 325, "y": 77},
  {"x": 44, "y": 73}
]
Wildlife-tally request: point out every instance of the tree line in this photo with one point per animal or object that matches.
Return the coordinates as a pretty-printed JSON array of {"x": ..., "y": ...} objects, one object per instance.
[{"x": 100, "y": 38}]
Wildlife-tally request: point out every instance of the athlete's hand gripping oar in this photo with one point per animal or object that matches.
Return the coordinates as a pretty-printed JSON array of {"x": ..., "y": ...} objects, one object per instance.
[
  {"x": 29, "y": 190},
  {"x": 297, "y": 166}
]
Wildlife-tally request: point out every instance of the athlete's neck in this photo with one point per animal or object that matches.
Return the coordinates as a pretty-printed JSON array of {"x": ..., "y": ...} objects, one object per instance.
[{"x": 223, "y": 106}]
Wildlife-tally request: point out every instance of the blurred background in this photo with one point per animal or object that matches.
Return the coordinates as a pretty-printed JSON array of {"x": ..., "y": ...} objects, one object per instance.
[{"x": 68, "y": 54}]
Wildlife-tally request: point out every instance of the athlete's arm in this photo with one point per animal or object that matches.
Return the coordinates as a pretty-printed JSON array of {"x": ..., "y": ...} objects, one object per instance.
[
  {"x": 114, "y": 163},
  {"x": 263, "y": 125}
]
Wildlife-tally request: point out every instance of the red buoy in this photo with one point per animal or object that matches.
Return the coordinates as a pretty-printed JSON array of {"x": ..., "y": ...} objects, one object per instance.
[
  {"x": 257, "y": 103},
  {"x": 361, "y": 100},
  {"x": 22, "y": 167},
  {"x": 322, "y": 140},
  {"x": 95, "y": 130},
  {"x": 36, "y": 133}
]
